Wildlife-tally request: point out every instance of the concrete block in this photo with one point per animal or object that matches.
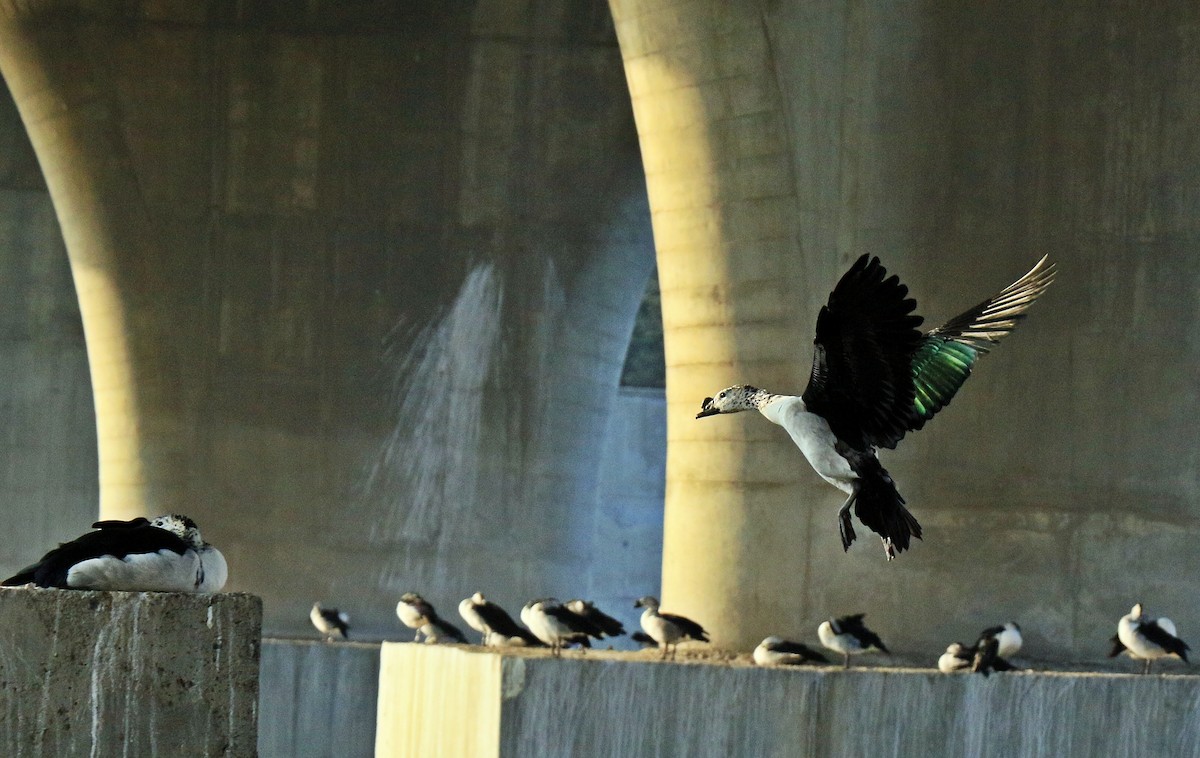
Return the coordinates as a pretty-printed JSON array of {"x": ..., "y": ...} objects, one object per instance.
[
  {"x": 435, "y": 699},
  {"x": 128, "y": 673},
  {"x": 317, "y": 699}
]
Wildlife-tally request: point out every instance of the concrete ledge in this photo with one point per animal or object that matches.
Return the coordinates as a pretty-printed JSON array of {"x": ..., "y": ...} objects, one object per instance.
[
  {"x": 125, "y": 673},
  {"x": 317, "y": 699},
  {"x": 446, "y": 701}
]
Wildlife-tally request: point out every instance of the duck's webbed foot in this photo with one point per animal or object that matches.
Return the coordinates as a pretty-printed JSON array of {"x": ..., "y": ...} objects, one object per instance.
[
  {"x": 888, "y": 548},
  {"x": 844, "y": 525}
]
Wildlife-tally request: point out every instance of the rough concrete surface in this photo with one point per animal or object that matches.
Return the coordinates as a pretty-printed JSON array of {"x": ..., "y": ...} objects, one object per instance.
[
  {"x": 602, "y": 705},
  {"x": 959, "y": 142},
  {"x": 128, "y": 674},
  {"x": 370, "y": 268},
  {"x": 364, "y": 272},
  {"x": 317, "y": 699},
  {"x": 48, "y": 487}
]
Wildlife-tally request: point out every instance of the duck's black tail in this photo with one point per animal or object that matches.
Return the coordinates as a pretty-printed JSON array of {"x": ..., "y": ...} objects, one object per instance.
[
  {"x": 881, "y": 508},
  {"x": 24, "y": 577}
]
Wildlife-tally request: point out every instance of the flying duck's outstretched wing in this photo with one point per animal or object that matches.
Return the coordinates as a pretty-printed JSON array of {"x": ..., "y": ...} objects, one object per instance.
[
  {"x": 862, "y": 375},
  {"x": 946, "y": 355}
]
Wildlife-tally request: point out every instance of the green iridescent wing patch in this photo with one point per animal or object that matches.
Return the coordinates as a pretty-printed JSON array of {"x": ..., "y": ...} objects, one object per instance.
[{"x": 939, "y": 368}]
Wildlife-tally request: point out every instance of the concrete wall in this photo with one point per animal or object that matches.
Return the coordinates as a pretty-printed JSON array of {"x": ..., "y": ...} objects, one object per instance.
[
  {"x": 960, "y": 142},
  {"x": 48, "y": 486},
  {"x": 317, "y": 699},
  {"x": 116, "y": 673},
  {"x": 356, "y": 281},
  {"x": 363, "y": 277},
  {"x": 626, "y": 531},
  {"x": 604, "y": 707}
]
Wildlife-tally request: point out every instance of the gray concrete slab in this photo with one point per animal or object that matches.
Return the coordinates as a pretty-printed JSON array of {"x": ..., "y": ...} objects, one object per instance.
[
  {"x": 626, "y": 705},
  {"x": 317, "y": 699},
  {"x": 129, "y": 674}
]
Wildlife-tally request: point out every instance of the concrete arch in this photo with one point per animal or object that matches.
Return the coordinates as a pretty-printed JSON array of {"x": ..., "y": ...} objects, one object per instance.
[
  {"x": 298, "y": 236},
  {"x": 782, "y": 140},
  {"x": 322, "y": 165}
]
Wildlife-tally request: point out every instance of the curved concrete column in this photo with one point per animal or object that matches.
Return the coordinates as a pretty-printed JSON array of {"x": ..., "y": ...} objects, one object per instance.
[
  {"x": 782, "y": 140},
  {"x": 48, "y": 486},
  {"x": 74, "y": 121},
  {"x": 357, "y": 286}
]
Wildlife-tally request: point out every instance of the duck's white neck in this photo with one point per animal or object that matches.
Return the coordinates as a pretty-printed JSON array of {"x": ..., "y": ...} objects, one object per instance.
[{"x": 776, "y": 407}]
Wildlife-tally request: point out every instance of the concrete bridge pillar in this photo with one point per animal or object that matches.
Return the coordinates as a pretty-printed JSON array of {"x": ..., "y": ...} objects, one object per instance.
[
  {"x": 959, "y": 143},
  {"x": 74, "y": 119},
  {"x": 357, "y": 281}
]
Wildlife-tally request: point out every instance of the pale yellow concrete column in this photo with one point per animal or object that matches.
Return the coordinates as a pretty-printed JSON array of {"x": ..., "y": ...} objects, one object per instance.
[
  {"x": 718, "y": 171},
  {"x": 72, "y": 118},
  {"x": 781, "y": 141}
]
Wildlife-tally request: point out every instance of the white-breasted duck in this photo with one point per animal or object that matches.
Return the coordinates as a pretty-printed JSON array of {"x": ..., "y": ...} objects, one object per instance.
[
  {"x": 414, "y": 612},
  {"x": 958, "y": 657},
  {"x": 1007, "y": 636},
  {"x": 330, "y": 622},
  {"x": 667, "y": 629},
  {"x": 556, "y": 626},
  {"x": 139, "y": 555},
  {"x": 493, "y": 622},
  {"x": 1147, "y": 638},
  {"x": 875, "y": 377},
  {"x": 602, "y": 621},
  {"x": 849, "y": 636},
  {"x": 776, "y": 651}
]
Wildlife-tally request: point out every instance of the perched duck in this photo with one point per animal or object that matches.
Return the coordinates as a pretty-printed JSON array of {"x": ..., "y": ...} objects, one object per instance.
[
  {"x": 958, "y": 657},
  {"x": 523, "y": 638},
  {"x": 987, "y": 657},
  {"x": 493, "y": 622},
  {"x": 776, "y": 651},
  {"x": 875, "y": 377},
  {"x": 848, "y": 636},
  {"x": 556, "y": 626},
  {"x": 414, "y": 612},
  {"x": 439, "y": 631},
  {"x": 598, "y": 618},
  {"x": 668, "y": 629},
  {"x": 212, "y": 571},
  {"x": 1147, "y": 638},
  {"x": 140, "y": 555},
  {"x": 1007, "y": 636},
  {"x": 330, "y": 622}
]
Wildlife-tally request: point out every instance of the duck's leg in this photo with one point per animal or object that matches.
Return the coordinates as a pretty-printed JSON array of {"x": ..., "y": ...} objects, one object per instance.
[{"x": 844, "y": 525}]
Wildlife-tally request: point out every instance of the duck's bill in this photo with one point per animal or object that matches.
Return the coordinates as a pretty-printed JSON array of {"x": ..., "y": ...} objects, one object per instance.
[{"x": 707, "y": 409}]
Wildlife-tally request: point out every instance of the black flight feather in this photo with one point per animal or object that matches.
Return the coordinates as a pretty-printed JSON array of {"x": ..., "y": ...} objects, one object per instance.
[{"x": 861, "y": 379}]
